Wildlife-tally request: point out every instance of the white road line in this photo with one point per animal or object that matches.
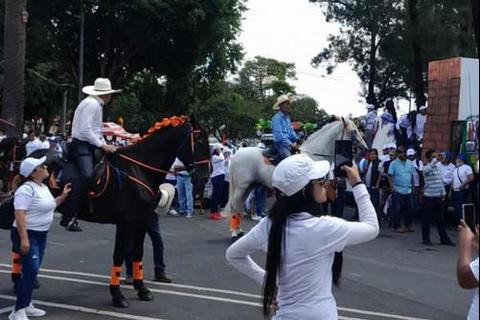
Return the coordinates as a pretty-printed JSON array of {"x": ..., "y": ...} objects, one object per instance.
[
  {"x": 200, "y": 296},
  {"x": 6, "y": 310},
  {"x": 171, "y": 292},
  {"x": 173, "y": 285},
  {"x": 82, "y": 309}
]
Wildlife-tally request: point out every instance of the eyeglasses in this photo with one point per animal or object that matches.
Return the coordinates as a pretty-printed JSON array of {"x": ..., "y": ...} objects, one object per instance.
[{"x": 320, "y": 182}]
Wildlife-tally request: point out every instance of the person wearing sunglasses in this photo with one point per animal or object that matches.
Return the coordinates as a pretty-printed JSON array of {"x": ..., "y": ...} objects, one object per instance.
[
  {"x": 34, "y": 207},
  {"x": 302, "y": 244}
]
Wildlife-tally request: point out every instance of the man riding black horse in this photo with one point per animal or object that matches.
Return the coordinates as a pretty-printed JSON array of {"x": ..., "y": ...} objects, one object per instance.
[{"x": 87, "y": 136}]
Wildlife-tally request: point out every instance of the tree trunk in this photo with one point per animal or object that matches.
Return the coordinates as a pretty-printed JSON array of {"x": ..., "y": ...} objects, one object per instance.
[
  {"x": 475, "y": 12},
  {"x": 371, "y": 98},
  {"x": 14, "y": 66},
  {"x": 419, "y": 87}
]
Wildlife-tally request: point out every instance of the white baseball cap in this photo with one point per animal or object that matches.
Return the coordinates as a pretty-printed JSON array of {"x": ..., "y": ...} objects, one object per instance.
[
  {"x": 295, "y": 172},
  {"x": 392, "y": 145},
  {"x": 30, "y": 164},
  {"x": 411, "y": 152}
]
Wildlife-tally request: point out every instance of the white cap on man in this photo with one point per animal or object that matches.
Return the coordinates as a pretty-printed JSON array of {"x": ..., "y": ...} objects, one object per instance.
[{"x": 411, "y": 152}]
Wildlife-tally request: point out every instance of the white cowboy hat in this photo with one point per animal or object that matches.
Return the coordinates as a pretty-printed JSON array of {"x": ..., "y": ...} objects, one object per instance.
[
  {"x": 102, "y": 86},
  {"x": 168, "y": 193},
  {"x": 283, "y": 98}
]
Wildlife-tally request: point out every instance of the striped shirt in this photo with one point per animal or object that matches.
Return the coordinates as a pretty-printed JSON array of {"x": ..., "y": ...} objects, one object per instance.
[{"x": 434, "y": 187}]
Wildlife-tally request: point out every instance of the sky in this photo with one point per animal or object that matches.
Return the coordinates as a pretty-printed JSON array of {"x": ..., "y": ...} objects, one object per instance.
[{"x": 295, "y": 31}]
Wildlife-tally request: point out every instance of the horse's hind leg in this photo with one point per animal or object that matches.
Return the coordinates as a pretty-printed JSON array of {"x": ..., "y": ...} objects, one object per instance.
[
  {"x": 139, "y": 237},
  {"x": 119, "y": 253}
]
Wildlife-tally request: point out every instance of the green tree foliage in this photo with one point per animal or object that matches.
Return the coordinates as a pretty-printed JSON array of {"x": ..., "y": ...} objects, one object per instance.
[{"x": 390, "y": 42}]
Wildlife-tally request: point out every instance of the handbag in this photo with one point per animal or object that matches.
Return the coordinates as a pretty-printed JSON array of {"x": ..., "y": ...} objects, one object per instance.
[{"x": 7, "y": 213}]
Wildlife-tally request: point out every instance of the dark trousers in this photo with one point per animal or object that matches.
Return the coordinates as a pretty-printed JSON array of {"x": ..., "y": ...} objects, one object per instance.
[
  {"x": 31, "y": 263},
  {"x": 403, "y": 209},
  {"x": 175, "y": 199},
  {"x": 153, "y": 231},
  {"x": 459, "y": 199},
  {"x": 433, "y": 213},
  {"x": 82, "y": 154},
  {"x": 375, "y": 197},
  {"x": 217, "y": 194}
]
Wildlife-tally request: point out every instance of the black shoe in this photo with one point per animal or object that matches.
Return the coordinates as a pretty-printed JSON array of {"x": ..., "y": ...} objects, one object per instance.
[
  {"x": 144, "y": 294},
  {"x": 427, "y": 243},
  {"x": 448, "y": 243},
  {"x": 162, "y": 277},
  {"x": 36, "y": 284},
  {"x": 118, "y": 299},
  {"x": 73, "y": 227}
]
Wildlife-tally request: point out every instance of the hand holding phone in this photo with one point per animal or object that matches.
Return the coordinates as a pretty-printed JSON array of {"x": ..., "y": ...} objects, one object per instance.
[
  {"x": 468, "y": 215},
  {"x": 343, "y": 157}
]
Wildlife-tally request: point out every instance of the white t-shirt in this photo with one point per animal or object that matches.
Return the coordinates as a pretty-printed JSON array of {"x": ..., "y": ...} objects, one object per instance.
[
  {"x": 33, "y": 145},
  {"x": 462, "y": 173},
  {"x": 305, "y": 281},
  {"x": 218, "y": 165},
  {"x": 473, "y": 314},
  {"x": 179, "y": 163},
  {"x": 39, "y": 204},
  {"x": 447, "y": 172}
]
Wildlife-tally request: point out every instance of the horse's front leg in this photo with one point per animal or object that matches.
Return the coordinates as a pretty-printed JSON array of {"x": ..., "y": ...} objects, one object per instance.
[
  {"x": 139, "y": 237},
  {"x": 121, "y": 240}
]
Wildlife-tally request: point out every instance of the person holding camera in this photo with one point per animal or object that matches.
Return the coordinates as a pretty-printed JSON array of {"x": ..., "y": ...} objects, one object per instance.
[
  {"x": 34, "y": 207},
  {"x": 467, "y": 268},
  {"x": 301, "y": 243},
  {"x": 433, "y": 195}
]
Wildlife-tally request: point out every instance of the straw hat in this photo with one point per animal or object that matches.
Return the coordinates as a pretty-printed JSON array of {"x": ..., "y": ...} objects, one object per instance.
[{"x": 283, "y": 98}]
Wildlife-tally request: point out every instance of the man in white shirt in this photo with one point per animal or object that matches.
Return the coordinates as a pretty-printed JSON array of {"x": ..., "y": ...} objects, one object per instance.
[
  {"x": 420, "y": 123},
  {"x": 462, "y": 178},
  {"x": 371, "y": 124},
  {"x": 33, "y": 143},
  {"x": 87, "y": 136}
]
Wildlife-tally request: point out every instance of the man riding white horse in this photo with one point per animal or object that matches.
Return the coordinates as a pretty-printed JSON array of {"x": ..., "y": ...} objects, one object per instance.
[
  {"x": 284, "y": 137},
  {"x": 87, "y": 137}
]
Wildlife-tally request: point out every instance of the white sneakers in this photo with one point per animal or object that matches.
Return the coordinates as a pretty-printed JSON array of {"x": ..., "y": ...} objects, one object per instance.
[{"x": 23, "y": 314}]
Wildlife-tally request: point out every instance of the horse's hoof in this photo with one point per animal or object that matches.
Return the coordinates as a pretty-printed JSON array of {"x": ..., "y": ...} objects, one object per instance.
[
  {"x": 240, "y": 234},
  {"x": 119, "y": 302},
  {"x": 144, "y": 294},
  {"x": 233, "y": 239}
]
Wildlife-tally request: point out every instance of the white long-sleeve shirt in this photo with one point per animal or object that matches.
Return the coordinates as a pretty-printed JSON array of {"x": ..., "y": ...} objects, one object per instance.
[
  {"x": 305, "y": 280},
  {"x": 87, "y": 121}
]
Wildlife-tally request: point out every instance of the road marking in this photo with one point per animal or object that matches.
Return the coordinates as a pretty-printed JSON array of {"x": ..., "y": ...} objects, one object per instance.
[
  {"x": 82, "y": 309},
  {"x": 90, "y": 275},
  {"x": 199, "y": 296},
  {"x": 6, "y": 310}
]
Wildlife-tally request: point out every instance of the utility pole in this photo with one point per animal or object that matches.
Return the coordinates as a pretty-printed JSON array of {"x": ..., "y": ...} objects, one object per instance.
[
  {"x": 80, "y": 51},
  {"x": 16, "y": 19}
]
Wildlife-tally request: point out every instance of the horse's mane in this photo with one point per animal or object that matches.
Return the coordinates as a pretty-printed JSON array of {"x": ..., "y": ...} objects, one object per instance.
[{"x": 162, "y": 125}]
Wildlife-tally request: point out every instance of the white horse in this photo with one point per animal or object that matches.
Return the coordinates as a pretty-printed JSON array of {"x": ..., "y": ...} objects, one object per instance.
[{"x": 249, "y": 167}]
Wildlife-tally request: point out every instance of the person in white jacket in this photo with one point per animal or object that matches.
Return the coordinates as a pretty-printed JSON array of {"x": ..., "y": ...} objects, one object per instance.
[{"x": 302, "y": 245}]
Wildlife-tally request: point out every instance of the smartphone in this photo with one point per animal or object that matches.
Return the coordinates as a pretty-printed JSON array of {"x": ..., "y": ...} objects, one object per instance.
[
  {"x": 343, "y": 156},
  {"x": 468, "y": 213}
]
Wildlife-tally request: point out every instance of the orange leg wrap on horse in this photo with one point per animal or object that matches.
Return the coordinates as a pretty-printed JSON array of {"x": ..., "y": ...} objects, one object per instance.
[
  {"x": 115, "y": 277},
  {"x": 235, "y": 222},
  {"x": 16, "y": 263},
  {"x": 137, "y": 270}
]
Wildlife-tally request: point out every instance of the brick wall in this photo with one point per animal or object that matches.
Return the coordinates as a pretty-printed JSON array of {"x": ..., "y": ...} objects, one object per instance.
[{"x": 443, "y": 102}]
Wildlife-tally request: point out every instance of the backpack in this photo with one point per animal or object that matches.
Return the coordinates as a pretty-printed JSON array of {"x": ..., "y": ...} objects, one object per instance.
[{"x": 7, "y": 212}]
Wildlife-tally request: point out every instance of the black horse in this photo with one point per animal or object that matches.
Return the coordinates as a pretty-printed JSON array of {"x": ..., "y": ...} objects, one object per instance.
[{"x": 127, "y": 189}]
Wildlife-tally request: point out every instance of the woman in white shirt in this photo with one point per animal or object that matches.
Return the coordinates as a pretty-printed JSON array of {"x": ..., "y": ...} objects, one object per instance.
[
  {"x": 34, "y": 207},
  {"x": 301, "y": 245},
  {"x": 218, "y": 181}
]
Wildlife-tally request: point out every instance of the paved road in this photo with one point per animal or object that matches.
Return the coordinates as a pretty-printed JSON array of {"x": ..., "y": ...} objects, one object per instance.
[{"x": 393, "y": 277}]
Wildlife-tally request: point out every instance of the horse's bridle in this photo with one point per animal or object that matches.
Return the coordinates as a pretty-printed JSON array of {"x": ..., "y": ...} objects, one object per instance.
[{"x": 343, "y": 135}]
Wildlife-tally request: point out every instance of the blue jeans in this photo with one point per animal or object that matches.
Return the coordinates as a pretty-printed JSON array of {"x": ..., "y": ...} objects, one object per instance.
[
  {"x": 185, "y": 194},
  {"x": 153, "y": 231},
  {"x": 402, "y": 209},
  {"x": 218, "y": 186},
  {"x": 31, "y": 263},
  {"x": 459, "y": 199},
  {"x": 260, "y": 200},
  {"x": 283, "y": 152}
]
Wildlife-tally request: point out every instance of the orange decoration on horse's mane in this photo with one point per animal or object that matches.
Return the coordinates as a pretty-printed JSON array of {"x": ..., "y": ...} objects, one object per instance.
[{"x": 165, "y": 123}]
